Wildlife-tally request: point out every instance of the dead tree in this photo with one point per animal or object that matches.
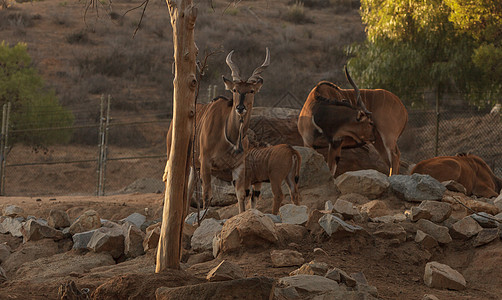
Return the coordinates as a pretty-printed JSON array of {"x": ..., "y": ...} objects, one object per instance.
[{"x": 183, "y": 15}]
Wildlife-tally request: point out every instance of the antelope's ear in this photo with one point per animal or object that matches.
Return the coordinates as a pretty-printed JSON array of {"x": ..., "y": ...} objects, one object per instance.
[
  {"x": 229, "y": 85},
  {"x": 258, "y": 84},
  {"x": 360, "y": 115}
]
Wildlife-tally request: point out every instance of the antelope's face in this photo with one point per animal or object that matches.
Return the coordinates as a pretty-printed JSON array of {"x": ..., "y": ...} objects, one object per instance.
[
  {"x": 365, "y": 127},
  {"x": 243, "y": 94}
]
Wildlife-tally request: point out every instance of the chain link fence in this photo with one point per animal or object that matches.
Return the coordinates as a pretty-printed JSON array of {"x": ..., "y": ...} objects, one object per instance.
[{"x": 124, "y": 152}]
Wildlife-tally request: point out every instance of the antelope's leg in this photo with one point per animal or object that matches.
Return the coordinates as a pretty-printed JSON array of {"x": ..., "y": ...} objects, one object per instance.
[
  {"x": 255, "y": 194},
  {"x": 278, "y": 196},
  {"x": 205, "y": 174},
  {"x": 334, "y": 153},
  {"x": 238, "y": 175},
  {"x": 191, "y": 185},
  {"x": 293, "y": 188}
]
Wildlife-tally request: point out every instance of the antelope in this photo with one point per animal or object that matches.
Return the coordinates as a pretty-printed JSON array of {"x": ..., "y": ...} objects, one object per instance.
[
  {"x": 387, "y": 113},
  {"x": 335, "y": 118},
  {"x": 220, "y": 133},
  {"x": 273, "y": 164}
]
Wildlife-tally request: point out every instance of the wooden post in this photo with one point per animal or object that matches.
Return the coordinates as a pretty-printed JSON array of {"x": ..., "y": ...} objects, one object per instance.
[{"x": 183, "y": 15}]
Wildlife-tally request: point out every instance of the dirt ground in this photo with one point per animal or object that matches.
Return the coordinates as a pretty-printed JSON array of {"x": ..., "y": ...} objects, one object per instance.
[{"x": 395, "y": 269}]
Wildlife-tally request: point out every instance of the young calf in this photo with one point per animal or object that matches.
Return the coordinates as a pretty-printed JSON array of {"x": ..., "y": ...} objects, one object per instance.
[{"x": 273, "y": 164}]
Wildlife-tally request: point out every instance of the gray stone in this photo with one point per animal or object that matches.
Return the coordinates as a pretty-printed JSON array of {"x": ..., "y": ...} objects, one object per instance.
[
  {"x": 485, "y": 220},
  {"x": 454, "y": 186},
  {"x": 275, "y": 218},
  {"x": 13, "y": 211},
  {"x": 136, "y": 218},
  {"x": 486, "y": 236},
  {"x": 287, "y": 293},
  {"x": 418, "y": 213},
  {"x": 89, "y": 220},
  {"x": 12, "y": 226},
  {"x": 369, "y": 183},
  {"x": 427, "y": 241},
  {"x": 465, "y": 228},
  {"x": 207, "y": 213},
  {"x": 225, "y": 271},
  {"x": 346, "y": 208},
  {"x": 313, "y": 171},
  {"x": 133, "y": 242},
  {"x": 286, "y": 258},
  {"x": 442, "y": 276},
  {"x": 391, "y": 231},
  {"x": 333, "y": 225},
  {"x": 294, "y": 214},
  {"x": 341, "y": 276},
  {"x": 417, "y": 187},
  {"x": 439, "y": 233},
  {"x": 107, "y": 240},
  {"x": 58, "y": 219},
  {"x": 81, "y": 239},
  {"x": 202, "y": 238},
  {"x": 34, "y": 231}
]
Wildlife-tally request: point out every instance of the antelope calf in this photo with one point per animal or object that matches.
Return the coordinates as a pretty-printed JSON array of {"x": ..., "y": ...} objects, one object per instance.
[{"x": 273, "y": 164}]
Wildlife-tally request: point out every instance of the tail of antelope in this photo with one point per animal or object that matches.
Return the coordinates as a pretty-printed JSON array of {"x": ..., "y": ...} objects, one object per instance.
[{"x": 294, "y": 176}]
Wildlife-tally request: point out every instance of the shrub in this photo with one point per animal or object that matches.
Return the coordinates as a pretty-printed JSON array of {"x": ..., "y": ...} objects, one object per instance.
[
  {"x": 34, "y": 107},
  {"x": 296, "y": 14},
  {"x": 77, "y": 38}
]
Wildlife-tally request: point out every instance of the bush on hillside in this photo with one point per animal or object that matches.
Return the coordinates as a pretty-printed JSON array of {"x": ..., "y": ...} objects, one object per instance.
[{"x": 34, "y": 107}]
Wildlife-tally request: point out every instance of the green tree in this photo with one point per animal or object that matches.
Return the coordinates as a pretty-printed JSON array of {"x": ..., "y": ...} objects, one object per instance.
[
  {"x": 34, "y": 107},
  {"x": 413, "y": 46}
]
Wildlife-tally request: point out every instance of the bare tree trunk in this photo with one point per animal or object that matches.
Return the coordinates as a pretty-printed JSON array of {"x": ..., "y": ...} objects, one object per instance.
[{"x": 183, "y": 15}]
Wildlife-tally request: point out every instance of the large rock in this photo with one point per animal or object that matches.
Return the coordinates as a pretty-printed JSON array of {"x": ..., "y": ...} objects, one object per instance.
[
  {"x": 369, "y": 183},
  {"x": 152, "y": 237},
  {"x": 136, "y": 218},
  {"x": 202, "y": 239},
  {"x": 109, "y": 240},
  {"x": 438, "y": 232},
  {"x": 426, "y": 240},
  {"x": 133, "y": 241},
  {"x": 346, "y": 209},
  {"x": 13, "y": 211},
  {"x": 417, "y": 187},
  {"x": 334, "y": 226},
  {"x": 34, "y": 231},
  {"x": 11, "y": 225},
  {"x": 81, "y": 239},
  {"x": 293, "y": 214},
  {"x": 291, "y": 233},
  {"x": 313, "y": 171},
  {"x": 58, "y": 219},
  {"x": 286, "y": 258},
  {"x": 438, "y": 211},
  {"x": 223, "y": 192},
  {"x": 248, "y": 229},
  {"x": 242, "y": 289},
  {"x": 442, "y": 276},
  {"x": 465, "y": 228},
  {"x": 89, "y": 220},
  {"x": 485, "y": 220},
  {"x": 487, "y": 235}
]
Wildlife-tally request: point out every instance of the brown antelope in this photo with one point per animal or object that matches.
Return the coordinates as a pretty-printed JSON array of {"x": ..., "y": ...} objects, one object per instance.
[
  {"x": 336, "y": 119},
  {"x": 273, "y": 164},
  {"x": 220, "y": 132},
  {"x": 388, "y": 114}
]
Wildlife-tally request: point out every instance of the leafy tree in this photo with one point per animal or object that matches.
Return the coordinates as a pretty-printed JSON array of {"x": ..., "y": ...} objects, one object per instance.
[
  {"x": 34, "y": 107},
  {"x": 413, "y": 46}
]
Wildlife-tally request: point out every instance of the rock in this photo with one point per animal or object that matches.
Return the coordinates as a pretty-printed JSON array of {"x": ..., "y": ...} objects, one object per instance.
[
  {"x": 359, "y": 278},
  {"x": 391, "y": 231},
  {"x": 248, "y": 229},
  {"x": 443, "y": 277},
  {"x": 81, "y": 239},
  {"x": 309, "y": 283},
  {"x": 275, "y": 218},
  {"x": 498, "y": 202},
  {"x": 369, "y": 183},
  {"x": 341, "y": 276},
  {"x": 430, "y": 297},
  {"x": 355, "y": 198},
  {"x": 152, "y": 237},
  {"x": 11, "y": 225},
  {"x": 286, "y": 293},
  {"x": 5, "y": 252},
  {"x": 288, "y": 233},
  {"x": 417, "y": 187},
  {"x": 328, "y": 206},
  {"x": 198, "y": 258},
  {"x": 58, "y": 219},
  {"x": 13, "y": 211},
  {"x": 400, "y": 217},
  {"x": 242, "y": 289},
  {"x": 438, "y": 232},
  {"x": 465, "y": 228},
  {"x": 335, "y": 226},
  {"x": 133, "y": 241},
  {"x": 375, "y": 208},
  {"x": 439, "y": 211},
  {"x": 313, "y": 171},
  {"x": 454, "y": 186},
  {"x": 136, "y": 218},
  {"x": 293, "y": 214},
  {"x": 486, "y": 236},
  {"x": 223, "y": 192},
  {"x": 107, "y": 240},
  {"x": 225, "y": 271},
  {"x": 347, "y": 209},
  {"x": 34, "y": 231},
  {"x": 485, "y": 220},
  {"x": 311, "y": 268},
  {"x": 286, "y": 258},
  {"x": 418, "y": 213},
  {"x": 427, "y": 241},
  {"x": 312, "y": 224},
  {"x": 216, "y": 245},
  {"x": 89, "y": 220},
  {"x": 479, "y": 206},
  {"x": 202, "y": 239},
  {"x": 30, "y": 251}
]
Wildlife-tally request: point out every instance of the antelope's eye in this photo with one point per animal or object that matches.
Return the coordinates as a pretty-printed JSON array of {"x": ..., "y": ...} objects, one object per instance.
[
  {"x": 235, "y": 90},
  {"x": 251, "y": 92}
]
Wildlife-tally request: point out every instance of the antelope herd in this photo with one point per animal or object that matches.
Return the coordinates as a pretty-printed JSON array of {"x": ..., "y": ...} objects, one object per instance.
[{"x": 344, "y": 118}]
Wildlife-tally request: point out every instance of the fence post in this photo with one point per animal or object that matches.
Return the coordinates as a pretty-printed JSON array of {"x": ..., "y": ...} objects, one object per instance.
[
  {"x": 100, "y": 145},
  {"x": 104, "y": 122},
  {"x": 105, "y": 152},
  {"x": 436, "y": 150},
  {"x": 214, "y": 91},
  {"x": 2, "y": 150}
]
